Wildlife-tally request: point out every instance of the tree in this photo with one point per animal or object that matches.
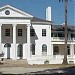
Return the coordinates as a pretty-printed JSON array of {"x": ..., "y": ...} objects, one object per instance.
[{"x": 66, "y": 27}]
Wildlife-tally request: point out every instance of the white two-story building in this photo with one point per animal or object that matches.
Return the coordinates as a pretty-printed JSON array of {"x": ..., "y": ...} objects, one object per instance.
[{"x": 23, "y": 36}]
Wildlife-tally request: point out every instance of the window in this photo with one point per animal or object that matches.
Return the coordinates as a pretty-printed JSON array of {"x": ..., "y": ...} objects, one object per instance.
[
  {"x": 7, "y": 32},
  {"x": 7, "y": 12},
  {"x": 51, "y": 34},
  {"x": 72, "y": 35},
  {"x": 56, "y": 50},
  {"x": 19, "y": 32},
  {"x": 43, "y": 32},
  {"x": 68, "y": 49},
  {"x": 44, "y": 49},
  {"x": 60, "y": 35},
  {"x": 55, "y": 34},
  {"x": 32, "y": 32},
  {"x": 33, "y": 49}
]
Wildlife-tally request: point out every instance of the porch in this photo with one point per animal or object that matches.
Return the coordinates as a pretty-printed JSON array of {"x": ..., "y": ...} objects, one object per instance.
[
  {"x": 15, "y": 38},
  {"x": 51, "y": 59},
  {"x": 57, "y": 55}
]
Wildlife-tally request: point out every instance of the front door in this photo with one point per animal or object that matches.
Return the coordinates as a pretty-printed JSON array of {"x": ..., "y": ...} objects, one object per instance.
[
  {"x": 19, "y": 52},
  {"x": 7, "y": 50}
]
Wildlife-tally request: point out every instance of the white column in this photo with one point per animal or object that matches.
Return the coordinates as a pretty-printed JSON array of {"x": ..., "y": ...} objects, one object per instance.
[
  {"x": 71, "y": 49},
  {"x": 25, "y": 51},
  {"x": 51, "y": 49},
  {"x": 49, "y": 41},
  {"x": 14, "y": 42},
  {"x": 28, "y": 41},
  {"x": 0, "y": 39}
]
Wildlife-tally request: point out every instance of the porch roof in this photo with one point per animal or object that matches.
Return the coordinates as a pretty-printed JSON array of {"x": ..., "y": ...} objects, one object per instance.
[{"x": 62, "y": 28}]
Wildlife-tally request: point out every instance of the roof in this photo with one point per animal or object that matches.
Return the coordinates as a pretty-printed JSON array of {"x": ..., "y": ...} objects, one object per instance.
[
  {"x": 62, "y": 28},
  {"x": 39, "y": 20},
  {"x": 35, "y": 19},
  {"x": 18, "y": 14},
  {"x": 14, "y": 12}
]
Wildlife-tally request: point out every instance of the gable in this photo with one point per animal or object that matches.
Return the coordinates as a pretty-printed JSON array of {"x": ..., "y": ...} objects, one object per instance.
[{"x": 9, "y": 11}]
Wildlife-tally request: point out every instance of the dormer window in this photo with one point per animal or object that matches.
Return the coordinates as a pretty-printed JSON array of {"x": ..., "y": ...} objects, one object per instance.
[{"x": 7, "y": 12}]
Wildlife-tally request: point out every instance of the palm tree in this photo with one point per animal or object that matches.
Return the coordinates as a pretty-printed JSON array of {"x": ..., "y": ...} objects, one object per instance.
[{"x": 66, "y": 27}]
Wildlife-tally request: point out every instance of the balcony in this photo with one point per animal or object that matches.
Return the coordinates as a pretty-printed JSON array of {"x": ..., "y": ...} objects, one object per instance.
[{"x": 61, "y": 39}]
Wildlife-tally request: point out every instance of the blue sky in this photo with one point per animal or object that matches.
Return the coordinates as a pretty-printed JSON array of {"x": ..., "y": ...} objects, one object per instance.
[{"x": 37, "y": 8}]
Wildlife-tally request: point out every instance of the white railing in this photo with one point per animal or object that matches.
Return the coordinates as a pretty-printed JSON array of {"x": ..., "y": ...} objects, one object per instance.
[
  {"x": 71, "y": 59},
  {"x": 57, "y": 38},
  {"x": 1, "y": 56},
  {"x": 61, "y": 39},
  {"x": 72, "y": 38},
  {"x": 56, "y": 59},
  {"x": 48, "y": 57},
  {"x": 70, "y": 56}
]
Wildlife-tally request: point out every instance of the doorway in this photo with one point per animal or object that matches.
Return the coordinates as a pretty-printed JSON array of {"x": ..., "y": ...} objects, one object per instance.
[
  {"x": 7, "y": 50},
  {"x": 20, "y": 51}
]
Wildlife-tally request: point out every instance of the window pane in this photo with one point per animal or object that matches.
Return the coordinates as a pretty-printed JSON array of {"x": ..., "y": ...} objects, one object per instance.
[
  {"x": 43, "y": 32},
  {"x": 51, "y": 34},
  {"x": 68, "y": 49},
  {"x": 44, "y": 48},
  {"x": 72, "y": 35},
  {"x": 7, "y": 32},
  {"x": 60, "y": 35},
  {"x": 55, "y": 34},
  {"x": 19, "y": 32},
  {"x": 32, "y": 32}
]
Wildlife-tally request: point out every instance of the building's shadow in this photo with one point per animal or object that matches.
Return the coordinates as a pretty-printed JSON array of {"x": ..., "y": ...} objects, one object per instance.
[{"x": 60, "y": 71}]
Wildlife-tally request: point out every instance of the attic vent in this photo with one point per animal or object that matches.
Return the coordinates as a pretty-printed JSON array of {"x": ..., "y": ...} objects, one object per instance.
[{"x": 7, "y": 12}]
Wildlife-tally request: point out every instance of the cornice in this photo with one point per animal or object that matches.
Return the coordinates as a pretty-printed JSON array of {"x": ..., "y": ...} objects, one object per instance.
[{"x": 15, "y": 18}]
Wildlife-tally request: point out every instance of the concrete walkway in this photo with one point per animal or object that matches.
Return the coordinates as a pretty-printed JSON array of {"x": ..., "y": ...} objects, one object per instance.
[
  {"x": 19, "y": 67},
  {"x": 19, "y": 70},
  {"x": 22, "y": 67},
  {"x": 33, "y": 71}
]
